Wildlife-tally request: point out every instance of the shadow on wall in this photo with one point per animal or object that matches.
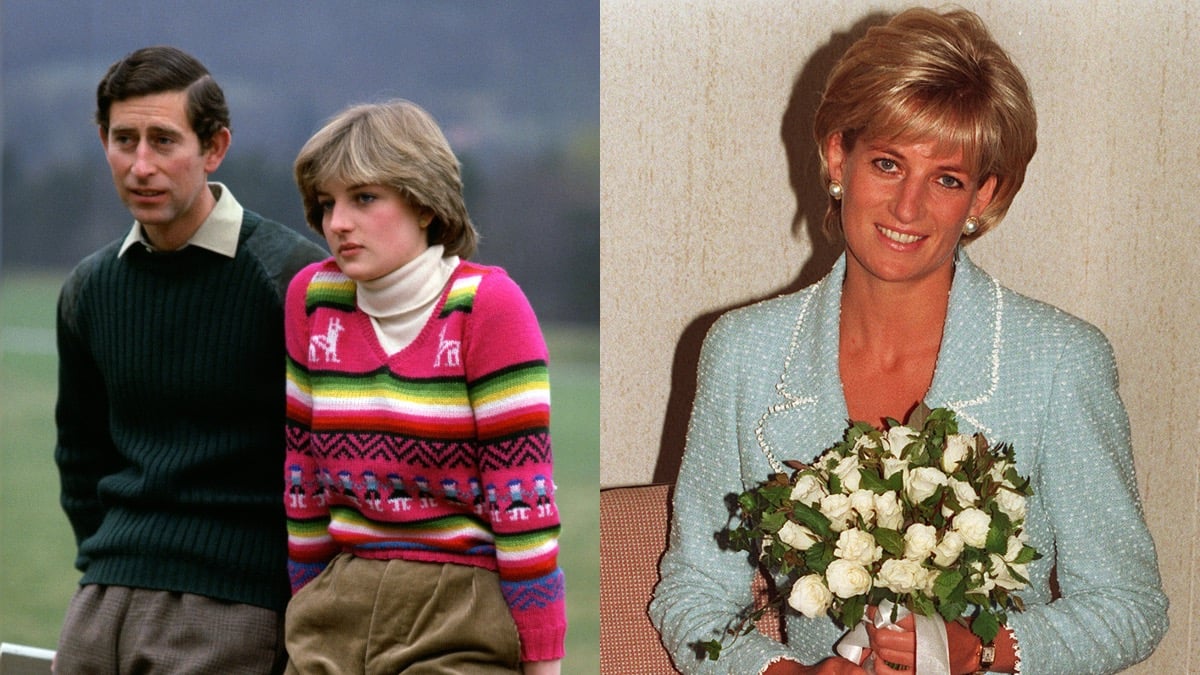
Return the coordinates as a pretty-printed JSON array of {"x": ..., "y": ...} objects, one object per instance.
[{"x": 804, "y": 175}]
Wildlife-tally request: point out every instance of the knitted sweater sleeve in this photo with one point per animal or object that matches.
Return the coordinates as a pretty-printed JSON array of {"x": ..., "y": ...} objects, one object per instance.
[
  {"x": 310, "y": 548},
  {"x": 1112, "y": 611},
  {"x": 505, "y": 361},
  {"x": 704, "y": 587},
  {"x": 84, "y": 451}
]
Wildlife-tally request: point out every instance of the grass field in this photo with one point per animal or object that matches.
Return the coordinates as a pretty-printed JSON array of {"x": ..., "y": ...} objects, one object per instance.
[{"x": 36, "y": 546}]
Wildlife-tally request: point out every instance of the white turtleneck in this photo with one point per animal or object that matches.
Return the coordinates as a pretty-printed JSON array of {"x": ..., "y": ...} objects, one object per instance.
[{"x": 400, "y": 302}]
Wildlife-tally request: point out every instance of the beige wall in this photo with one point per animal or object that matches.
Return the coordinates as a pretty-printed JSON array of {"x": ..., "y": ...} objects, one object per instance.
[{"x": 709, "y": 200}]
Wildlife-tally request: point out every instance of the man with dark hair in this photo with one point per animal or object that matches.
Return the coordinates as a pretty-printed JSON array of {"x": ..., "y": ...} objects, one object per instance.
[{"x": 171, "y": 396}]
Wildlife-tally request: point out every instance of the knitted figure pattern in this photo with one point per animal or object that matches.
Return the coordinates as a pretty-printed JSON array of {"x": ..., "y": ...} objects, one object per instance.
[{"x": 438, "y": 453}]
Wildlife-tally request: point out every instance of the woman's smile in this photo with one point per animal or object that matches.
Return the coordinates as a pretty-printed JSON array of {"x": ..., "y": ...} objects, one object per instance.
[{"x": 898, "y": 237}]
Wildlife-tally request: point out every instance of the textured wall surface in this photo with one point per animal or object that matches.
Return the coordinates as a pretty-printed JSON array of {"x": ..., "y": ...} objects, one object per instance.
[{"x": 710, "y": 200}]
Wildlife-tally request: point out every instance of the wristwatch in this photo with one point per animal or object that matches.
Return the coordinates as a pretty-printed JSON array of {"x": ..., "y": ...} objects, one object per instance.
[{"x": 987, "y": 656}]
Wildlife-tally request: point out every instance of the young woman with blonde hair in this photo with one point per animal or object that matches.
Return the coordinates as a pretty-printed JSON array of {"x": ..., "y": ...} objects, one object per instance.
[
  {"x": 924, "y": 132},
  {"x": 422, "y": 522}
]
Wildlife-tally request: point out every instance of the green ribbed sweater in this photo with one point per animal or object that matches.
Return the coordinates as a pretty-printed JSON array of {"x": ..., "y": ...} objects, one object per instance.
[{"x": 170, "y": 415}]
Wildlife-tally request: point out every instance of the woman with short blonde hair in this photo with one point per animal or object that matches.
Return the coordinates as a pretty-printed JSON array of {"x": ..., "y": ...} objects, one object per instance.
[
  {"x": 396, "y": 144},
  {"x": 941, "y": 76},
  {"x": 924, "y": 132}
]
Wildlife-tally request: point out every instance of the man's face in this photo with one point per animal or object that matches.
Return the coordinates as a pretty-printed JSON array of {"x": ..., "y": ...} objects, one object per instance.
[{"x": 159, "y": 169}]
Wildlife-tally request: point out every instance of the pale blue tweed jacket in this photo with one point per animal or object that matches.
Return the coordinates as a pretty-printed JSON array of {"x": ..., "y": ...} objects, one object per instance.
[{"x": 1015, "y": 369}]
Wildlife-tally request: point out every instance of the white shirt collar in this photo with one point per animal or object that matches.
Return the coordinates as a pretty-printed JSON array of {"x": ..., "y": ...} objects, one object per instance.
[{"x": 218, "y": 233}]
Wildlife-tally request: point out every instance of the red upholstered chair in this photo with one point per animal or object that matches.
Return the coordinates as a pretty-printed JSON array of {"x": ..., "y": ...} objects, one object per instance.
[{"x": 633, "y": 535}]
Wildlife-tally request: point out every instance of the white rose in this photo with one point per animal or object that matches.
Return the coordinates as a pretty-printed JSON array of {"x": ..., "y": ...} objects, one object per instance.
[
  {"x": 922, "y": 482},
  {"x": 902, "y": 575},
  {"x": 798, "y": 537},
  {"x": 898, "y": 437},
  {"x": 919, "y": 541},
  {"x": 865, "y": 442},
  {"x": 863, "y": 503},
  {"x": 1012, "y": 504},
  {"x": 948, "y": 549},
  {"x": 972, "y": 525},
  {"x": 888, "y": 512},
  {"x": 958, "y": 446},
  {"x": 838, "y": 510},
  {"x": 808, "y": 490},
  {"x": 857, "y": 546},
  {"x": 893, "y": 466},
  {"x": 999, "y": 469},
  {"x": 1013, "y": 548},
  {"x": 810, "y": 596},
  {"x": 1003, "y": 576},
  {"x": 847, "y": 579},
  {"x": 847, "y": 470},
  {"x": 964, "y": 493}
]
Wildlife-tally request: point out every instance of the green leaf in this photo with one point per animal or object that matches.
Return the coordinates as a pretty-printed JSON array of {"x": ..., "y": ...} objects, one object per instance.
[
  {"x": 712, "y": 648},
  {"x": 813, "y": 519},
  {"x": 1016, "y": 575},
  {"x": 997, "y": 537},
  {"x": 1027, "y": 555},
  {"x": 748, "y": 502},
  {"x": 986, "y": 626},
  {"x": 853, "y": 610},
  {"x": 952, "y": 609},
  {"x": 872, "y": 481},
  {"x": 772, "y": 521},
  {"x": 776, "y": 495},
  {"x": 923, "y": 605},
  {"x": 891, "y": 541},
  {"x": 818, "y": 556},
  {"x": 947, "y": 583},
  {"x": 835, "y": 484}
]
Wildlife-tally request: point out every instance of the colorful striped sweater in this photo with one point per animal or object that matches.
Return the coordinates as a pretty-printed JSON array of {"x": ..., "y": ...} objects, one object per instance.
[{"x": 439, "y": 453}]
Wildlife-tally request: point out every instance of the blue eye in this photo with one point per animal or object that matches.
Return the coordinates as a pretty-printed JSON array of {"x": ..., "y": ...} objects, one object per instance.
[
  {"x": 950, "y": 182},
  {"x": 885, "y": 164}
]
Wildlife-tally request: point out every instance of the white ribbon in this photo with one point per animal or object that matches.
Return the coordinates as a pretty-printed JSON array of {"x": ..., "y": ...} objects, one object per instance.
[{"x": 933, "y": 649}]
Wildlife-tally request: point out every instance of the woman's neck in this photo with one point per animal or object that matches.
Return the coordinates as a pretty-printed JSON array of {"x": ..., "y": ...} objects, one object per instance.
[
  {"x": 888, "y": 316},
  {"x": 889, "y": 338}
]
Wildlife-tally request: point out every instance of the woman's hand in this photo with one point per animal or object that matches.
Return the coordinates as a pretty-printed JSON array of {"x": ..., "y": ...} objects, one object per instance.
[
  {"x": 895, "y": 648},
  {"x": 831, "y": 666},
  {"x": 964, "y": 648}
]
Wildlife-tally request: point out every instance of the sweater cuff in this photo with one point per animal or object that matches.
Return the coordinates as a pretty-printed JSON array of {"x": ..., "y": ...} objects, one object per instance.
[{"x": 543, "y": 643}]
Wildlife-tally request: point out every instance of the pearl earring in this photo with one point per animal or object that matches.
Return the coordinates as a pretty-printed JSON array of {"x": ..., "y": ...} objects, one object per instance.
[
  {"x": 835, "y": 190},
  {"x": 971, "y": 226}
]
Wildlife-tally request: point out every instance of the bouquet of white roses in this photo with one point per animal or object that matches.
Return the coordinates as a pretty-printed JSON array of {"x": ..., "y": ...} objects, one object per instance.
[{"x": 916, "y": 516}]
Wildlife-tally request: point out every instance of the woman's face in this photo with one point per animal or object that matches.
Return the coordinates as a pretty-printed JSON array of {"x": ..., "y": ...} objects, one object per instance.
[
  {"x": 371, "y": 229},
  {"x": 904, "y": 205}
]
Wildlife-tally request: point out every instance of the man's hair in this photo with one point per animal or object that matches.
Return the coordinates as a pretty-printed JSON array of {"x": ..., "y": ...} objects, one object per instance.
[
  {"x": 154, "y": 70},
  {"x": 397, "y": 144}
]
